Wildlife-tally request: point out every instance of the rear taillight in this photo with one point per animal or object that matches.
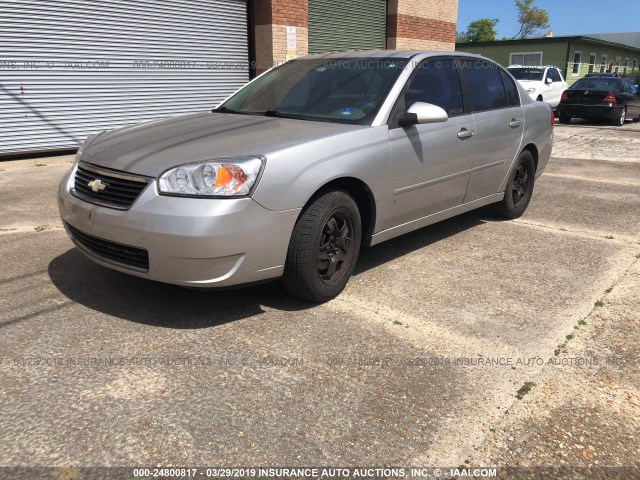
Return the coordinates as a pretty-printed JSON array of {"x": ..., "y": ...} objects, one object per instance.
[
  {"x": 610, "y": 98},
  {"x": 565, "y": 97},
  {"x": 553, "y": 119}
]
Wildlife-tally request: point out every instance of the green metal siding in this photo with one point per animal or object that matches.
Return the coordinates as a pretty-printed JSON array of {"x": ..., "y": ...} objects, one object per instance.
[
  {"x": 336, "y": 25},
  {"x": 588, "y": 48},
  {"x": 555, "y": 53},
  {"x": 552, "y": 54}
]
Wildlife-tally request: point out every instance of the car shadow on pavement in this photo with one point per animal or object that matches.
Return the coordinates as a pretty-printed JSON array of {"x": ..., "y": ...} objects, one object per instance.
[
  {"x": 398, "y": 247},
  {"x": 156, "y": 304}
]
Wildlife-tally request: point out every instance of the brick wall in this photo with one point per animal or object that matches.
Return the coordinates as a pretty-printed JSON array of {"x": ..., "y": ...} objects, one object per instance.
[
  {"x": 411, "y": 25},
  {"x": 422, "y": 24},
  {"x": 270, "y": 19}
]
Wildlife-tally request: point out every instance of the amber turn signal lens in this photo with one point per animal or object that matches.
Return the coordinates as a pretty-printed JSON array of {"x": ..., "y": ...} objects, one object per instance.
[{"x": 230, "y": 177}]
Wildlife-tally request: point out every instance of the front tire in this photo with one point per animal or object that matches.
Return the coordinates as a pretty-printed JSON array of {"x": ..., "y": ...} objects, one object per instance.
[
  {"x": 519, "y": 188},
  {"x": 324, "y": 248}
]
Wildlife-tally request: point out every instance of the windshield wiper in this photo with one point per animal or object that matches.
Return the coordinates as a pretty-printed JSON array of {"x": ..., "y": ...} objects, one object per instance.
[
  {"x": 278, "y": 114},
  {"x": 224, "y": 110}
]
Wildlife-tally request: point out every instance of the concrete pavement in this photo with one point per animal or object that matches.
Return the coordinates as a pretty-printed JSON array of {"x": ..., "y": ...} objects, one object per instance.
[{"x": 103, "y": 369}]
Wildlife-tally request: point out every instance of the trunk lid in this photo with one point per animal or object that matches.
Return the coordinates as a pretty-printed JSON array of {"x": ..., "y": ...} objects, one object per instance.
[{"x": 587, "y": 96}]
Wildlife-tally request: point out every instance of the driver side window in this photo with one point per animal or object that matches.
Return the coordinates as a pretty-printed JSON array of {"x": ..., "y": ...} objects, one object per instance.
[
  {"x": 554, "y": 75},
  {"x": 436, "y": 82}
]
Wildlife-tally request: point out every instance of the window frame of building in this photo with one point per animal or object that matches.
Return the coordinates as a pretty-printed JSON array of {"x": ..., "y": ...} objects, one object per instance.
[
  {"x": 626, "y": 66},
  {"x": 603, "y": 63},
  {"x": 592, "y": 62},
  {"x": 634, "y": 66},
  {"x": 575, "y": 69},
  {"x": 523, "y": 63},
  {"x": 618, "y": 62}
]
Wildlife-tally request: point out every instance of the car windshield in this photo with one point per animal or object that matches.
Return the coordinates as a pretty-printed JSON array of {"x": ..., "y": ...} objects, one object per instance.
[
  {"x": 339, "y": 90},
  {"x": 521, "y": 73},
  {"x": 608, "y": 84}
]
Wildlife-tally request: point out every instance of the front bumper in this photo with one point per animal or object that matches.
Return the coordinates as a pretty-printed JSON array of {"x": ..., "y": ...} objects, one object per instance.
[
  {"x": 591, "y": 111},
  {"x": 190, "y": 241}
]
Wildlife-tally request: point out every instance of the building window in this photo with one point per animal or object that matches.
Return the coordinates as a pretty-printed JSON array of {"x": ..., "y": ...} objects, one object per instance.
[
  {"x": 592, "y": 62},
  {"x": 618, "y": 60},
  {"x": 635, "y": 65},
  {"x": 626, "y": 65},
  {"x": 603, "y": 64},
  {"x": 577, "y": 59},
  {"x": 526, "y": 59}
]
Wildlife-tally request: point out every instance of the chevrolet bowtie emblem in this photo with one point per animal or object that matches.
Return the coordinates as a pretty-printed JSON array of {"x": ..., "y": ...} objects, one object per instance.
[{"x": 97, "y": 186}]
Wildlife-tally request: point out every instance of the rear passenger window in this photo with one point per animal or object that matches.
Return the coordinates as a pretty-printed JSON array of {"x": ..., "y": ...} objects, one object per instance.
[
  {"x": 629, "y": 87},
  {"x": 437, "y": 83},
  {"x": 486, "y": 85},
  {"x": 513, "y": 97}
]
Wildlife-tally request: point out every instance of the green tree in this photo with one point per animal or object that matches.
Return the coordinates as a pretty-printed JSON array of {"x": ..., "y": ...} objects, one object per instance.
[
  {"x": 461, "y": 37},
  {"x": 481, "y": 30},
  {"x": 531, "y": 19}
]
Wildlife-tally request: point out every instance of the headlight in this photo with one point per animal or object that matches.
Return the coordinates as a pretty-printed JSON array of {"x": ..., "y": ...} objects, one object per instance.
[
  {"x": 216, "y": 178},
  {"x": 531, "y": 91}
]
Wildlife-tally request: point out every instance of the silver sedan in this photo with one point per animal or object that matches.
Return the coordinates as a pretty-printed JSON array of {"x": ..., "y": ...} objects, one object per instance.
[{"x": 294, "y": 173}]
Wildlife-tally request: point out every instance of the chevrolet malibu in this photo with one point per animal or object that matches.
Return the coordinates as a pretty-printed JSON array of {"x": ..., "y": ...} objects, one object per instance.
[{"x": 293, "y": 174}]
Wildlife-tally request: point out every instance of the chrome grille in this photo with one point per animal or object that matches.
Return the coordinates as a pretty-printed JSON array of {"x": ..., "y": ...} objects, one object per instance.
[{"x": 113, "y": 188}]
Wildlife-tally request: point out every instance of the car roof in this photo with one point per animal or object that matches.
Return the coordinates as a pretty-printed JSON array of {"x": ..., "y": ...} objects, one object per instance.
[
  {"x": 604, "y": 75},
  {"x": 390, "y": 54},
  {"x": 533, "y": 66}
]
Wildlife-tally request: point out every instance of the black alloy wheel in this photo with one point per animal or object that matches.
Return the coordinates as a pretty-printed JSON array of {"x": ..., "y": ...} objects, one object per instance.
[
  {"x": 335, "y": 249},
  {"x": 324, "y": 247},
  {"x": 520, "y": 184},
  {"x": 519, "y": 189}
]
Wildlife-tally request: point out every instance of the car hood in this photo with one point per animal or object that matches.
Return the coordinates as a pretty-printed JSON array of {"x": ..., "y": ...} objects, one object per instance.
[
  {"x": 529, "y": 82},
  {"x": 151, "y": 148}
]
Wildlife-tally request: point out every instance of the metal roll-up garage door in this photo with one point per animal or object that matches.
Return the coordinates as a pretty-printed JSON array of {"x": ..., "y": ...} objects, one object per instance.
[
  {"x": 336, "y": 25},
  {"x": 69, "y": 68}
]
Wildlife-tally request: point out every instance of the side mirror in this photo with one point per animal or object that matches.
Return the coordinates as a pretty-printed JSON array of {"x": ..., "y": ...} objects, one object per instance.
[
  {"x": 422, "y": 113},
  {"x": 548, "y": 81}
]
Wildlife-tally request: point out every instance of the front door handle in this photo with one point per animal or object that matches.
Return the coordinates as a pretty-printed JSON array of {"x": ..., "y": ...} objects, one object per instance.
[
  {"x": 514, "y": 123},
  {"x": 464, "y": 134}
]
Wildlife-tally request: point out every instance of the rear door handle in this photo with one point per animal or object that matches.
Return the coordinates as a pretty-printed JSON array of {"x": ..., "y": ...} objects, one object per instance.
[
  {"x": 514, "y": 123},
  {"x": 464, "y": 134}
]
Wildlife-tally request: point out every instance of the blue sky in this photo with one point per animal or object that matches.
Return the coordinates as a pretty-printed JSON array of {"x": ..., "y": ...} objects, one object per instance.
[{"x": 567, "y": 17}]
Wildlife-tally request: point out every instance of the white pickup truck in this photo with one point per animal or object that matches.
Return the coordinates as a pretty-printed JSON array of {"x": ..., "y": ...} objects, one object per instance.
[{"x": 544, "y": 84}]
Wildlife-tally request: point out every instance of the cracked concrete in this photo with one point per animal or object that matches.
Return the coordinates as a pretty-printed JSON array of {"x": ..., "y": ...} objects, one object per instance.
[{"x": 103, "y": 369}]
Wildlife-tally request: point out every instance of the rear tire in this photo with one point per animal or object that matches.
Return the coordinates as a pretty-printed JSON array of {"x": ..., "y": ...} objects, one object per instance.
[
  {"x": 519, "y": 188},
  {"x": 565, "y": 119},
  {"x": 623, "y": 117},
  {"x": 324, "y": 248}
]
